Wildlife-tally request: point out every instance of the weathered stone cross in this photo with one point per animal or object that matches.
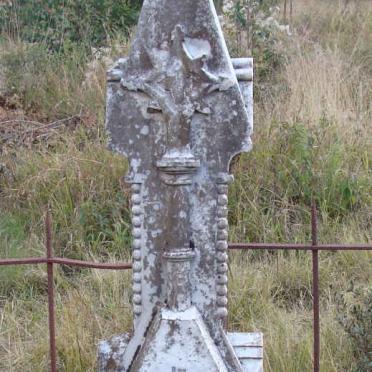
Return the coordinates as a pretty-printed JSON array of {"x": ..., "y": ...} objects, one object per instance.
[{"x": 179, "y": 109}]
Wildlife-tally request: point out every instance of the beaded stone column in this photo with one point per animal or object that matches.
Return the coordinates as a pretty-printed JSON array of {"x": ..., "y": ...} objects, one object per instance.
[
  {"x": 222, "y": 246},
  {"x": 137, "y": 220}
]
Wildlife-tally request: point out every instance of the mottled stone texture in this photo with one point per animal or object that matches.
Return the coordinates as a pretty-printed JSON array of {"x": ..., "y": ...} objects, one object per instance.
[{"x": 179, "y": 109}]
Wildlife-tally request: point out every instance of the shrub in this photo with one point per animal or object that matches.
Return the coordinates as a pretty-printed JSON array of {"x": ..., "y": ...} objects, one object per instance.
[
  {"x": 45, "y": 82},
  {"x": 355, "y": 308},
  {"x": 253, "y": 30},
  {"x": 55, "y": 21}
]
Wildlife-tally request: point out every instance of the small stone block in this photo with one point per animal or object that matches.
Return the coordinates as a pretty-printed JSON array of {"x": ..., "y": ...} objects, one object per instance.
[
  {"x": 248, "y": 348},
  {"x": 110, "y": 353}
]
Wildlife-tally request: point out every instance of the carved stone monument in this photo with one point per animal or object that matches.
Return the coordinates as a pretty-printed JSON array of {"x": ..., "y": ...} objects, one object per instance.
[{"x": 180, "y": 109}]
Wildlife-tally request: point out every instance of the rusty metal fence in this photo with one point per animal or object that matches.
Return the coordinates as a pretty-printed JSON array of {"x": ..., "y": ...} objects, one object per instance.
[
  {"x": 314, "y": 247},
  {"x": 50, "y": 261}
]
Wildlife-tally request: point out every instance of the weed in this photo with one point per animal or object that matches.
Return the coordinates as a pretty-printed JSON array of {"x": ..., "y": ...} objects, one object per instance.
[{"x": 355, "y": 308}]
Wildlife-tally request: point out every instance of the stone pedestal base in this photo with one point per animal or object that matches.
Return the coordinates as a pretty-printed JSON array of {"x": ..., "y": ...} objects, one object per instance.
[{"x": 197, "y": 347}]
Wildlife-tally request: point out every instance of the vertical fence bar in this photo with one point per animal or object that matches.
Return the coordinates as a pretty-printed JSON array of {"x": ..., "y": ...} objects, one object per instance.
[
  {"x": 315, "y": 254},
  {"x": 51, "y": 312}
]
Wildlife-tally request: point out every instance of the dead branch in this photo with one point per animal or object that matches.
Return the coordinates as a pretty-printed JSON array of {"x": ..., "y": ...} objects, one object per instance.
[{"x": 37, "y": 127}]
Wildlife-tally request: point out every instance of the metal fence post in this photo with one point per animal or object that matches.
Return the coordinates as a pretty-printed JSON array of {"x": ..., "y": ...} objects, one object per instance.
[
  {"x": 315, "y": 254},
  {"x": 51, "y": 310}
]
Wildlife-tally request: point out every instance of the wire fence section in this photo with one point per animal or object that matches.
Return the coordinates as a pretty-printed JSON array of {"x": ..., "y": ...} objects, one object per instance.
[
  {"x": 50, "y": 261},
  {"x": 314, "y": 247}
]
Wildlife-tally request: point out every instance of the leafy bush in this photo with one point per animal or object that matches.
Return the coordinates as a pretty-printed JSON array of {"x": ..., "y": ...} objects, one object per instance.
[
  {"x": 308, "y": 174},
  {"x": 55, "y": 21},
  {"x": 355, "y": 306},
  {"x": 253, "y": 30}
]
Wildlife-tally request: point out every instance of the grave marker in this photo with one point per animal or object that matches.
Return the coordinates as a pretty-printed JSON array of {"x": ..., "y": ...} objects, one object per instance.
[{"x": 180, "y": 109}]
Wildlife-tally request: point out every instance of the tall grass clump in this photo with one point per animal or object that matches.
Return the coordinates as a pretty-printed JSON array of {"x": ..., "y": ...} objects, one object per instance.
[
  {"x": 49, "y": 85},
  {"x": 311, "y": 142}
]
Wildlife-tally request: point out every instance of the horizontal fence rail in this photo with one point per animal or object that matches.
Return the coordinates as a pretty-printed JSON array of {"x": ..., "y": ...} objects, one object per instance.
[
  {"x": 299, "y": 247},
  {"x": 66, "y": 262},
  {"x": 50, "y": 260}
]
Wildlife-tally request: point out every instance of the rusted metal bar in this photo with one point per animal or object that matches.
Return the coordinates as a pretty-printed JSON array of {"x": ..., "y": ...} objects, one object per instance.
[
  {"x": 23, "y": 261},
  {"x": 232, "y": 246},
  {"x": 345, "y": 247},
  {"x": 299, "y": 247},
  {"x": 316, "y": 311},
  {"x": 93, "y": 265},
  {"x": 51, "y": 308},
  {"x": 67, "y": 262}
]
